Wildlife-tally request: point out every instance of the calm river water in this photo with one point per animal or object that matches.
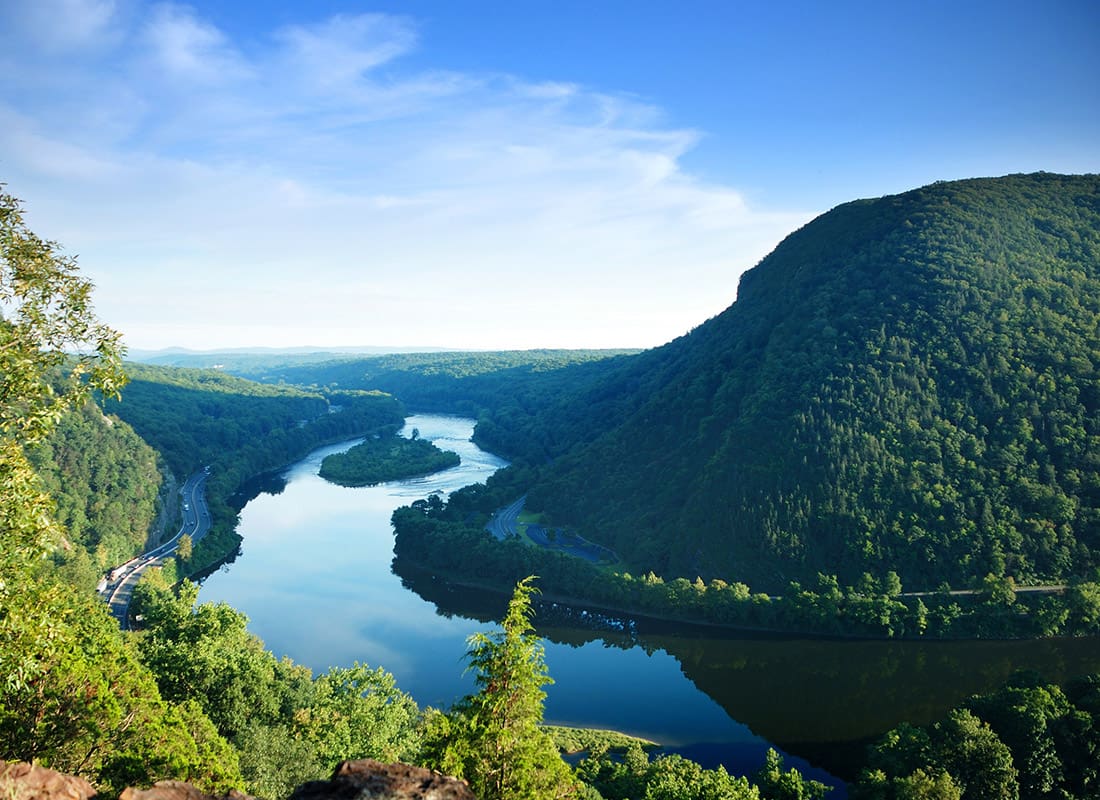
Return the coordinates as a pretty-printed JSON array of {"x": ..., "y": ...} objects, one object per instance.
[{"x": 315, "y": 579}]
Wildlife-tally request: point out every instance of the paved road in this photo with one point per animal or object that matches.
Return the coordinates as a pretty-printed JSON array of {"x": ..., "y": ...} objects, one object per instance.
[
  {"x": 122, "y": 579},
  {"x": 505, "y": 522},
  {"x": 1050, "y": 588}
]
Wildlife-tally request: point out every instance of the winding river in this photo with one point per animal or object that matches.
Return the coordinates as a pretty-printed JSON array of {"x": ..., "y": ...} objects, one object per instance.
[{"x": 315, "y": 579}]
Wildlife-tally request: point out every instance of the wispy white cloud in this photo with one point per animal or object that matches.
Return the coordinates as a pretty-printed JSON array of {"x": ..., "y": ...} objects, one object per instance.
[
  {"x": 338, "y": 52},
  {"x": 373, "y": 202},
  {"x": 185, "y": 48}
]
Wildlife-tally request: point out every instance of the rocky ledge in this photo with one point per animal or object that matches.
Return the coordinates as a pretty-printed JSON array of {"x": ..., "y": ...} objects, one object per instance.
[{"x": 364, "y": 779}]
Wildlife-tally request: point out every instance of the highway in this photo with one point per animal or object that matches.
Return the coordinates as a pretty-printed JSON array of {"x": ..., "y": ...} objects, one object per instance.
[
  {"x": 505, "y": 522},
  {"x": 117, "y": 588}
]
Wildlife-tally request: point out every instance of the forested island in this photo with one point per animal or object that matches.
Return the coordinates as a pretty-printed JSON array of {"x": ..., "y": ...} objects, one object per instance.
[
  {"x": 894, "y": 432},
  {"x": 386, "y": 458}
]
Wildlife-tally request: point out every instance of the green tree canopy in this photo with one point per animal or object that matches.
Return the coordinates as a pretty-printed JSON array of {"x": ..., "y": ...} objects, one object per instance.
[
  {"x": 73, "y": 695},
  {"x": 492, "y": 738}
]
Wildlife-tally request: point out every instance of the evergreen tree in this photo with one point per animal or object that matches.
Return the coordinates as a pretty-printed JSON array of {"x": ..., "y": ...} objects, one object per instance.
[{"x": 492, "y": 738}]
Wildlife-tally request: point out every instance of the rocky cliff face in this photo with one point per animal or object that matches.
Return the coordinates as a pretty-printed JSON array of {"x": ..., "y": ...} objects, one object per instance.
[{"x": 359, "y": 780}]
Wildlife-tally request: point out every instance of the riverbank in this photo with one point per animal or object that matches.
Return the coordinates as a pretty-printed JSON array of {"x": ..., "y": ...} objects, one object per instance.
[
  {"x": 451, "y": 541},
  {"x": 602, "y": 616}
]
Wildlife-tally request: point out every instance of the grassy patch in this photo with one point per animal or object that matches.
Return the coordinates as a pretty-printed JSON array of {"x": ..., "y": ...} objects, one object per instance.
[{"x": 579, "y": 740}]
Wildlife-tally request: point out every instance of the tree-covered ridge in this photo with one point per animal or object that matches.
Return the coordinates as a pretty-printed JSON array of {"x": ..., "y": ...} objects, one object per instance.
[
  {"x": 193, "y": 416},
  {"x": 906, "y": 383},
  {"x": 387, "y": 458},
  {"x": 500, "y": 389},
  {"x": 240, "y": 428},
  {"x": 104, "y": 480},
  {"x": 361, "y": 372}
]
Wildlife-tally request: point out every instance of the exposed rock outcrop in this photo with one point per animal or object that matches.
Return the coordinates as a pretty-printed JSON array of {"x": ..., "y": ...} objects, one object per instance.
[
  {"x": 366, "y": 778},
  {"x": 22, "y": 781},
  {"x": 177, "y": 790}
]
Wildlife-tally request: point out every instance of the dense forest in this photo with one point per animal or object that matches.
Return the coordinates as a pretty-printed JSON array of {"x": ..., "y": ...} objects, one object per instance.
[
  {"x": 105, "y": 482},
  {"x": 908, "y": 383},
  {"x": 386, "y": 458}
]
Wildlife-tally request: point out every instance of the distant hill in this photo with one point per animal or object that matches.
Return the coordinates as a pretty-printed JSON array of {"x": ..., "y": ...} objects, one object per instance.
[
  {"x": 258, "y": 359},
  {"x": 907, "y": 383},
  {"x": 503, "y": 388}
]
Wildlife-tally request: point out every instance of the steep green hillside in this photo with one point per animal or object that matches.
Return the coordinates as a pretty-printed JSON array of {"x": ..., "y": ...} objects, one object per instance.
[
  {"x": 906, "y": 383},
  {"x": 105, "y": 480},
  {"x": 196, "y": 418},
  {"x": 199, "y": 417}
]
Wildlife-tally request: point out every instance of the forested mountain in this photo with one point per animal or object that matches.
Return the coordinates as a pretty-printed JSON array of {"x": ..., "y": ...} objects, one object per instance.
[
  {"x": 104, "y": 480},
  {"x": 906, "y": 383}
]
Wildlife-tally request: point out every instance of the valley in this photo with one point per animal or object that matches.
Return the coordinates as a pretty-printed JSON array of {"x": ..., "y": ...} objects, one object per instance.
[{"x": 889, "y": 439}]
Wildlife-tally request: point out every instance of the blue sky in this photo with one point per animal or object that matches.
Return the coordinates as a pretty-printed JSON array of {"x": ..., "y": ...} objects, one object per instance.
[{"x": 499, "y": 175}]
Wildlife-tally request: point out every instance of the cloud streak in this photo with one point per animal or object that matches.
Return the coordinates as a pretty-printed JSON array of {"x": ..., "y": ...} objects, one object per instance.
[{"x": 312, "y": 188}]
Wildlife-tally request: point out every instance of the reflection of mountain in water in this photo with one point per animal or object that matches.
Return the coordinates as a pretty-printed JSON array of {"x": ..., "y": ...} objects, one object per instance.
[
  {"x": 821, "y": 699},
  {"x": 273, "y": 482},
  {"x": 825, "y": 699}
]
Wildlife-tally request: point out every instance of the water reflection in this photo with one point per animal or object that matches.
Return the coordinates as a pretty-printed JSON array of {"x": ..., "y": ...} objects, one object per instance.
[
  {"x": 816, "y": 698},
  {"x": 315, "y": 579}
]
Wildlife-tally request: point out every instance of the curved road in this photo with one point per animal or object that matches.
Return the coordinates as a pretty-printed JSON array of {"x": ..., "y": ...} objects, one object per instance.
[
  {"x": 505, "y": 522},
  {"x": 119, "y": 586}
]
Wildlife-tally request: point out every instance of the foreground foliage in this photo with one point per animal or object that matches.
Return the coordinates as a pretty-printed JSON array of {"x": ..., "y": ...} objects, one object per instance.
[
  {"x": 72, "y": 693},
  {"x": 288, "y": 725},
  {"x": 492, "y": 738},
  {"x": 1029, "y": 741},
  {"x": 673, "y": 777}
]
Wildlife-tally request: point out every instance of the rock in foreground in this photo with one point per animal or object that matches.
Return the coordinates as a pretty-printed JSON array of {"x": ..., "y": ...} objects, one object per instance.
[
  {"x": 24, "y": 781},
  {"x": 367, "y": 778}
]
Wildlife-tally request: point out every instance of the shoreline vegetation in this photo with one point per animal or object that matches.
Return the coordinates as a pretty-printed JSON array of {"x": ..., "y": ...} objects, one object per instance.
[
  {"x": 625, "y": 613},
  {"x": 386, "y": 458},
  {"x": 449, "y": 540},
  {"x": 455, "y": 547}
]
